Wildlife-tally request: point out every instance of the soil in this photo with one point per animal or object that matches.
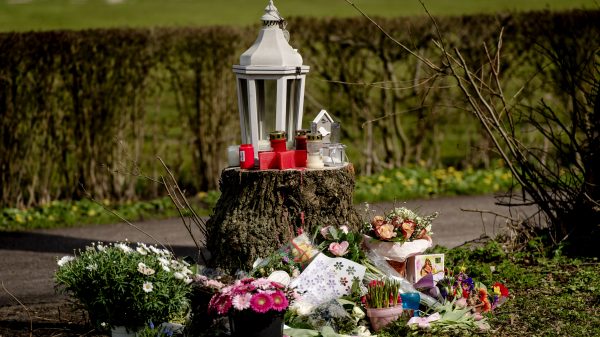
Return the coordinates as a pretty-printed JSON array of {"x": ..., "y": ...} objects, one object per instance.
[{"x": 30, "y": 306}]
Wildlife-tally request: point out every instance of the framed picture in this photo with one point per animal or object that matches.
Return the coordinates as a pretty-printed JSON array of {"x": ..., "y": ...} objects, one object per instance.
[{"x": 421, "y": 265}]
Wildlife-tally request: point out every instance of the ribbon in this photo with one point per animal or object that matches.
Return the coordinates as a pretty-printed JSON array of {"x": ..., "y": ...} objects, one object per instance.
[{"x": 424, "y": 322}]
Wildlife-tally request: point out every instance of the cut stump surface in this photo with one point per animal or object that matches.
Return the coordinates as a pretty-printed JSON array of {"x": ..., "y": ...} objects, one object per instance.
[{"x": 259, "y": 211}]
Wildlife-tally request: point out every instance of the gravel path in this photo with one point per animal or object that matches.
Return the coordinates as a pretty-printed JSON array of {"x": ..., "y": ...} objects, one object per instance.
[{"x": 28, "y": 259}]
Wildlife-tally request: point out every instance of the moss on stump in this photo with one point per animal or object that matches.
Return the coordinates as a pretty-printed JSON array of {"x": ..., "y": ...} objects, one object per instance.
[{"x": 259, "y": 211}]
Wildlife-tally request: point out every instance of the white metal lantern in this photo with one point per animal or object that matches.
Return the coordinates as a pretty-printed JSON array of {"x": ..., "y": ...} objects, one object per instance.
[{"x": 270, "y": 84}]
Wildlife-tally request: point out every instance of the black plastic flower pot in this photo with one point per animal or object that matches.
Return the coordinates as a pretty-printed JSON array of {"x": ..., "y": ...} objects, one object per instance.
[{"x": 248, "y": 323}]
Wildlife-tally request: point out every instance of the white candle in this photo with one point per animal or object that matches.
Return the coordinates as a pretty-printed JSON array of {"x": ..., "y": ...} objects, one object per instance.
[{"x": 314, "y": 161}]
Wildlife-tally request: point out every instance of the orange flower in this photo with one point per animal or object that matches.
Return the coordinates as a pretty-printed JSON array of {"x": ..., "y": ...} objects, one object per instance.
[{"x": 385, "y": 231}]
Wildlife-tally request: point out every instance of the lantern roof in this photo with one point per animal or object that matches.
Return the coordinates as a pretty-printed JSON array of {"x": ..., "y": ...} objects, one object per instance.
[{"x": 271, "y": 48}]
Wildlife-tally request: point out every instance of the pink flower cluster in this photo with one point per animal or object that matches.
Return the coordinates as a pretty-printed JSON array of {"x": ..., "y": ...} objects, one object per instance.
[{"x": 259, "y": 295}]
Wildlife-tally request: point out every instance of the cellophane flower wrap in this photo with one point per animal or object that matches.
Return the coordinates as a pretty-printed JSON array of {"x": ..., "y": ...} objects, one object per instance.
[
  {"x": 258, "y": 295},
  {"x": 120, "y": 284}
]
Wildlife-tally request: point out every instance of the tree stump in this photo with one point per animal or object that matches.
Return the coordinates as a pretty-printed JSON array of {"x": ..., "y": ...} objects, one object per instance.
[{"x": 259, "y": 211}]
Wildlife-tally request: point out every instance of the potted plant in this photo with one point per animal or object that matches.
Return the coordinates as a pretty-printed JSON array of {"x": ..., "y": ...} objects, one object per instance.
[
  {"x": 123, "y": 287},
  {"x": 383, "y": 302},
  {"x": 255, "y": 307}
]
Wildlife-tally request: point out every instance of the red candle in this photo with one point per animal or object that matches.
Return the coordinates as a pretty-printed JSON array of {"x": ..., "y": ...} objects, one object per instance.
[
  {"x": 246, "y": 156},
  {"x": 301, "y": 139},
  {"x": 278, "y": 141}
]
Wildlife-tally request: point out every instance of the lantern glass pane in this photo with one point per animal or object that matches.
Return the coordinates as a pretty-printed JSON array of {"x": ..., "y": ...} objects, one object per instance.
[
  {"x": 245, "y": 112},
  {"x": 266, "y": 104},
  {"x": 292, "y": 99}
]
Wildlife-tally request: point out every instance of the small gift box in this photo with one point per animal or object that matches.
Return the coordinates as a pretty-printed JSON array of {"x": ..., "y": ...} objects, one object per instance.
[{"x": 420, "y": 265}]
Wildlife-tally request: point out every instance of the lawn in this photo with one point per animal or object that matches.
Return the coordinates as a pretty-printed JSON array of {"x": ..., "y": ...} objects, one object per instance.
[{"x": 23, "y": 15}]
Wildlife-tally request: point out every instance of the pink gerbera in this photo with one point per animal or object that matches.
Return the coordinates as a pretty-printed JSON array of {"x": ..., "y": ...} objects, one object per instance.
[
  {"x": 242, "y": 302},
  {"x": 220, "y": 303},
  {"x": 280, "y": 302},
  {"x": 262, "y": 283},
  {"x": 261, "y": 302}
]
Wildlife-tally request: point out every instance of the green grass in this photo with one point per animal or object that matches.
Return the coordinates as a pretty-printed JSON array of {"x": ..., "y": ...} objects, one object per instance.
[
  {"x": 391, "y": 185},
  {"x": 62, "y": 214},
  {"x": 418, "y": 182},
  {"x": 23, "y": 15}
]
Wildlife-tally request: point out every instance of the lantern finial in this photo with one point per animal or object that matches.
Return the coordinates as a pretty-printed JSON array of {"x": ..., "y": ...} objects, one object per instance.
[{"x": 271, "y": 16}]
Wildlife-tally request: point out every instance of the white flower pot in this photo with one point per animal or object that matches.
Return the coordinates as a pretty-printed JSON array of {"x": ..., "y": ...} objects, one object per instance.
[{"x": 121, "y": 331}]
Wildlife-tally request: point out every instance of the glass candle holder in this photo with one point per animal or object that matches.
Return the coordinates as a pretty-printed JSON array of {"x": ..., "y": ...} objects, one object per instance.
[
  {"x": 334, "y": 155},
  {"x": 301, "y": 139},
  {"x": 233, "y": 155},
  {"x": 278, "y": 141},
  {"x": 314, "y": 145}
]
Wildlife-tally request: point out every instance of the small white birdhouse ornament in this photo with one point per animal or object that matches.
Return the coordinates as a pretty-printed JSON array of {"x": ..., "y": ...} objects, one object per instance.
[{"x": 322, "y": 124}]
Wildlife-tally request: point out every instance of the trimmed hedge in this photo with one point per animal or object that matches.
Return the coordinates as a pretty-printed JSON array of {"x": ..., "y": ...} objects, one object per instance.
[{"x": 92, "y": 108}]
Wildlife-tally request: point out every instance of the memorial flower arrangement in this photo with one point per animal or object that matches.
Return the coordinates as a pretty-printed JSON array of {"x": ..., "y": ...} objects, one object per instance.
[
  {"x": 400, "y": 225},
  {"x": 120, "y": 284},
  {"x": 257, "y": 295}
]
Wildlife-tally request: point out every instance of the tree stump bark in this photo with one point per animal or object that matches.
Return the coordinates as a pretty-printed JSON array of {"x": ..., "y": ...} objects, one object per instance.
[{"x": 259, "y": 211}]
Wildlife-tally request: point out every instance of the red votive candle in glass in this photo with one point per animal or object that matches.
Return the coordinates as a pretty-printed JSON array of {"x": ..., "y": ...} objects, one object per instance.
[
  {"x": 246, "y": 156},
  {"x": 301, "y": 139},
  {"x": 278, "y": 141}
]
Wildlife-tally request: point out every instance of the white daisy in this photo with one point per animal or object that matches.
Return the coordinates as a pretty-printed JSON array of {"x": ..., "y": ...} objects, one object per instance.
[
  {"x": 147, "y": 286},
  {"x": 125, "y": 248},
  {"x": 144, "y": 269},
  {"x": 178, "y": 275},
  {"x": 64, "y": 260}
]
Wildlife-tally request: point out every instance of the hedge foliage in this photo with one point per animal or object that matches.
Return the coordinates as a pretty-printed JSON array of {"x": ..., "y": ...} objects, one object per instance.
[{"x": 93, "y": 108}]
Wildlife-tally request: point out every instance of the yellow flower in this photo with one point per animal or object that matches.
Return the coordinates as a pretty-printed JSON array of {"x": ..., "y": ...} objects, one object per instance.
[
  {"x": 19, "y": 218},
  {"x": 91, "y": 212}
]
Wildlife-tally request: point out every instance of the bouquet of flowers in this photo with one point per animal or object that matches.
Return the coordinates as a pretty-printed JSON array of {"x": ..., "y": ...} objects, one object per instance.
[
  {"x": 462, "y": 289},
  {"x": 400, "y": 225},
  {"x": 340, "y": 242},
  {"x": 121, "y": 285},
  {"x": 257, "y": 295}
]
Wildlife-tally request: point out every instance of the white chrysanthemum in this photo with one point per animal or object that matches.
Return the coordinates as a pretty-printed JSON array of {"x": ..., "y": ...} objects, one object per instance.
[
  {"x": 142, "y": 250},
  {"x": 92, "y": 266},
  {"x": 166, "y": 268},
  {"x": 64, "y": 260},
  {"x": 186, "y": 271},
  {"x": 187, "y": 280},
  {"x": 178, "y": 275},
  {"x": 100, "y": 247},
  {"x": 147, "y": 286},
  {"x": 163, "y": 261},
  {"x": 242, "y": 302}
]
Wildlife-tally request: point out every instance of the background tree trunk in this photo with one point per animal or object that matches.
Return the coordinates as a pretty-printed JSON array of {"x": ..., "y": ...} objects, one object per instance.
[{"x": 259, "y": 211}]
